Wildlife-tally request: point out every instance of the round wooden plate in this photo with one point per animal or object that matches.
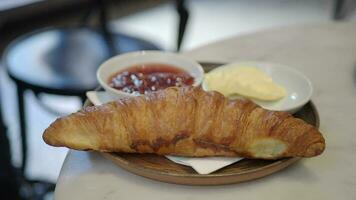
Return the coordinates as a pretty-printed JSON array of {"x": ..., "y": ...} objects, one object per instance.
[{"x": 161, "y": 169}]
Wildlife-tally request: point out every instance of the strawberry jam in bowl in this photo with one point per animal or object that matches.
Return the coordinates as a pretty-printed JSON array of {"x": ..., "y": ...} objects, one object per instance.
[
  {"x": 139, "y": 73},
  {"x": 144, "y": 78}
]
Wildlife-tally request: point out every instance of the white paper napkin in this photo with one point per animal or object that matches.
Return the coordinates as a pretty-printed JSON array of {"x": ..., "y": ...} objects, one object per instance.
[
  {"x": 201, "y": 165},
  {"x": 204, "y": 165}
]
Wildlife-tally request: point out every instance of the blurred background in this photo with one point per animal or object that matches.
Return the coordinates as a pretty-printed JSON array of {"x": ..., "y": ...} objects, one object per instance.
[{"x": 51, "y": 49}]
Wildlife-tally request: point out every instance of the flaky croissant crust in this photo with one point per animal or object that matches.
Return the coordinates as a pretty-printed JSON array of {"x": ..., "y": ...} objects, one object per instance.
[{"x": 186, "y": 121}]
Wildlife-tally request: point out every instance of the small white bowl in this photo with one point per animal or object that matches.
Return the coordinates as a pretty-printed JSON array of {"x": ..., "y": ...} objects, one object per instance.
[
  {"x": 299, "y": 87},
  {"x": 120, "y": 62}
]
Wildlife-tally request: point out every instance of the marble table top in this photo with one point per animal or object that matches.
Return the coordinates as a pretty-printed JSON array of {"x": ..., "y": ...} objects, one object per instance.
[{"x": 326, "y": 53}]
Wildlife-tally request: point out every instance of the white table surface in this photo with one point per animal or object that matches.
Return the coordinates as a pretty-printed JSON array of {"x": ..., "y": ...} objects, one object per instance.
[{"x": 326, "y": 53}]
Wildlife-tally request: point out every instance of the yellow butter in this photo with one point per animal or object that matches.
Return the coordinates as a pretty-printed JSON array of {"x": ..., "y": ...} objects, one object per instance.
[{"x": 246, "y": 81}]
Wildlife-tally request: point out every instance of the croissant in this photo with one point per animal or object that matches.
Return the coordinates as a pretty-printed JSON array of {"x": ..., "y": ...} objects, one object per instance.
[{"x": 186, "y": 121}]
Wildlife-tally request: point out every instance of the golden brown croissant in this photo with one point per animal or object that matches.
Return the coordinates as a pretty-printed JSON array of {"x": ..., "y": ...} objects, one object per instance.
[{"x": 186, "y": 121}]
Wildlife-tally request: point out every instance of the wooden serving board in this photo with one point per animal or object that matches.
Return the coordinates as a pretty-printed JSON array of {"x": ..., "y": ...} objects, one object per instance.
[{"x": 161, "y": 169}]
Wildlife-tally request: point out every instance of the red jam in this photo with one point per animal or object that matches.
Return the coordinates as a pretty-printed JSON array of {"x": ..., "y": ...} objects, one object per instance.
[{"x": 145, "y": 78}]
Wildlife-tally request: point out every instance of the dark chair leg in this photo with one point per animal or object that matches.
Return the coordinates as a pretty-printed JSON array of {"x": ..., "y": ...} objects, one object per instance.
[
  {"x": 83, "y": 98},
  {"x": 9, "y": 182},
  {"x": 22, "y": 121},
  {"x": 339, "y": 9},
  {"x": 104, "y": 27},
  {"x": 183, "y": 19},
  {"x": 32, "y": 189}
]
